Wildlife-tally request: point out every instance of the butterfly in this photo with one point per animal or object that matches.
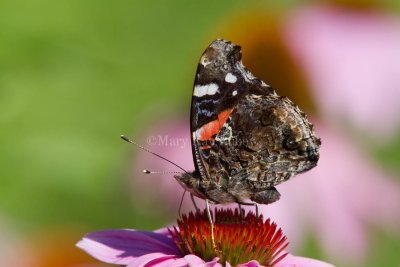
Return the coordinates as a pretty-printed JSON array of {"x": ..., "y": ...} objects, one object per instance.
[{"x": 246, "y": 139}]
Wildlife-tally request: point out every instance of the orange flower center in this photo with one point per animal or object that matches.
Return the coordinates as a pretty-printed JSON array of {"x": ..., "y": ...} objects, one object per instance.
[{"x": 238, "y": 238}]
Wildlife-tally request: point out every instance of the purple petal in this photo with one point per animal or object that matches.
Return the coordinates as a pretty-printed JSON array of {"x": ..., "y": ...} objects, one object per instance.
[
  {"x": 172, "y": 262},
  {"x": 288, "y": 261},
  {"x": 163, "y": 262},
  {"x": 250, "y": 264},
  {"x": 181, "y": 262},
  {"x": 188, "y": 260},
  {"x": 293, "y": 261},
  {"x": 213, "y": 263},
  {"x": 124, "y": 246},
  {"x": 195, "y": 261},
  {"x": 152, "y": 259}
]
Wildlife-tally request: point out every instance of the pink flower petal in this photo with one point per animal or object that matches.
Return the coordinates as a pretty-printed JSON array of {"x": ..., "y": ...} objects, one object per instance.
[
  {"x": 293, "y": 261},
  {"x": 164, "y": 262},
  {"x": 213, "y": 263},
  {"x": 288, "y": 261},
  {"x": 187, "y": 261},
  {"x": 152, "y": 259},
  {"x": 123, "y": 246},
  {"x": 179, "y": 262},
  {"x": 194, "y": 261},
  {"x": 250, "y": 264}
]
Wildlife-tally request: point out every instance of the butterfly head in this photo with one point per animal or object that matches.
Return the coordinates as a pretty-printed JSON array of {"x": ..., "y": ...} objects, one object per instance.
[{"x": 191, "y": 183}]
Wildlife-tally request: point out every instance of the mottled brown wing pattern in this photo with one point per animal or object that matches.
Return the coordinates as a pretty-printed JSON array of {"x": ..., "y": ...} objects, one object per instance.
[{"x": 246, "y": 139}]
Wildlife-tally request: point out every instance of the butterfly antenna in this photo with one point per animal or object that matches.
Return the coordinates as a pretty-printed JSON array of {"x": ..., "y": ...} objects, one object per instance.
[
  {"x": 123, "y": 137},
  {"x": 160, "y": 172}
]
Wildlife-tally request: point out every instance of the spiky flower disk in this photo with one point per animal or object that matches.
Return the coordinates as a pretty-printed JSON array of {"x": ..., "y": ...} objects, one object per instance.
[{"x": 238, "y": 240}]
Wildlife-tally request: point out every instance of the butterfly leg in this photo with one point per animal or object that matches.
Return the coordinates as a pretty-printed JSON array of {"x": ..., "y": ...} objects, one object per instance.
[
  {"x": 194, "y": 203},
  {"x": 212, "y": 224},
  {"x": 248, "y": 204},
  {"x": 241, "y": 212},
  {"x": 180, "y": 204},
  {"x": 267, "y": 196}
]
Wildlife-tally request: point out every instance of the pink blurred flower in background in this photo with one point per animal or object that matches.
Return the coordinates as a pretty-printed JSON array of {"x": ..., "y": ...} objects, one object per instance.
[
  {"x": 12, "y": 245},
  {"x": 167, "y": 189},
  {"x": 351, "y": 63}
]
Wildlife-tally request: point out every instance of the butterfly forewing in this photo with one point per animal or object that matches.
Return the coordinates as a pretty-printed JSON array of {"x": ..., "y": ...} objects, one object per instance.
[{"x": 221, "y": 81}]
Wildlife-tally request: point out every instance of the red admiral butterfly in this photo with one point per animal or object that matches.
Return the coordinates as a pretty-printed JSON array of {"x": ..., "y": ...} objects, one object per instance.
[{"x": 245, "y": 138}]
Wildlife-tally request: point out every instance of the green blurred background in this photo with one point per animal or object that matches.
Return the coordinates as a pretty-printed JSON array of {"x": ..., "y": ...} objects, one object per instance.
[{"x": 74, "y": 75}]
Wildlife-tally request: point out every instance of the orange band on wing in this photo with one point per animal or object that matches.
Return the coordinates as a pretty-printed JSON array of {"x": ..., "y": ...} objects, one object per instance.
[{"x": 207, "y": 131}]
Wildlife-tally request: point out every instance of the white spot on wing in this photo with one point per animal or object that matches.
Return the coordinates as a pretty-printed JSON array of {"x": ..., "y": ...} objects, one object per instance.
[
  {"x": 230, "y": 78},
  {"x": 208, "y": 89},
  {"x": 247, "y": 75},
  {"x": 234, "y": 93},
  {"x": 196, "y": 134},
  {"x": 255, "y": 96},
  {"x": 204, "y": 61},
  {"x": 225, "y": 134}
]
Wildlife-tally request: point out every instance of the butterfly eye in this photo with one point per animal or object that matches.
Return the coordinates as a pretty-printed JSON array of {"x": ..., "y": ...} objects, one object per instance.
[{"x": 290, "y": 143}]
